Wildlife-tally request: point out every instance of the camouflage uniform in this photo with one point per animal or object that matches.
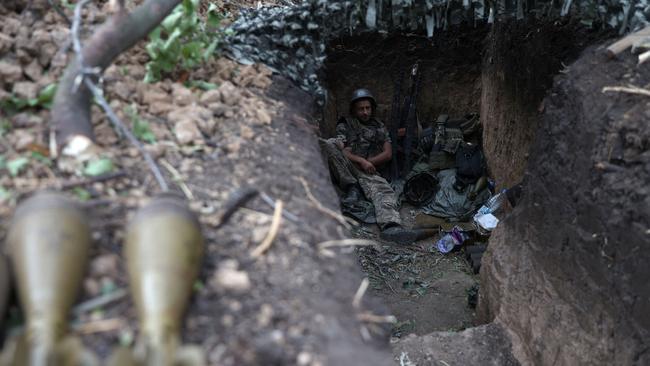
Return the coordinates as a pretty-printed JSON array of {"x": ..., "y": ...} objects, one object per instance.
[{"x": 366, "y": 140}]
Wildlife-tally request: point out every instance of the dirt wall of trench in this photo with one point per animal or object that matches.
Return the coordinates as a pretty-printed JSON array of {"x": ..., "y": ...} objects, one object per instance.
[
  {"x": 566, "y": 272},
  {"x": 449, "y": 64},
  {"x": 518, "y": 66}
]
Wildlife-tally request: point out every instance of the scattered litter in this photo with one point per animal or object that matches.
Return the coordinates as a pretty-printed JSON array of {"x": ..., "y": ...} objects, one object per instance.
[
  {"x": 456, "y": 237},
  {"x": 484, "y": 219},
  {"x": 404, "y": 360},
  {"x": 486, "y": 223}
]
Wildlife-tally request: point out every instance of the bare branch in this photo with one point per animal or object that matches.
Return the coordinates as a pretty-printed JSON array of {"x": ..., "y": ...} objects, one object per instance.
[
  {"x": 71, "y": 112},
  {"x": 80, "y": 125}
]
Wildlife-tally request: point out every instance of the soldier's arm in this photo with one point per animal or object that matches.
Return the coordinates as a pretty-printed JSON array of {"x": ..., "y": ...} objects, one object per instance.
[
  {"x": 384, "y": 156},
  {"x": 364, "y": 164}
]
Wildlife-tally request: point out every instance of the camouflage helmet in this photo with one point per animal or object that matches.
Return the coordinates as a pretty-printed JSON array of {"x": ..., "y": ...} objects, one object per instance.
[{"x": 360, "y": 94}]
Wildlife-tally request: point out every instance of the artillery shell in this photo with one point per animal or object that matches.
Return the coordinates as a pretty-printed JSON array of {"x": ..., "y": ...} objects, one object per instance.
[
  {"x": 48, "y": 245},
  {"x": 164, "y": 249}
]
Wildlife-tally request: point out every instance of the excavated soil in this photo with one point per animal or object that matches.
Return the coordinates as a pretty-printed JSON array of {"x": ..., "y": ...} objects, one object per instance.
[{"x": 568, "y": 267}]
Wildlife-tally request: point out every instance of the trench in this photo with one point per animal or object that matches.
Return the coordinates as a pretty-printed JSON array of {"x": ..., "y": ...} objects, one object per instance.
[{"x": 502, "y": 74}]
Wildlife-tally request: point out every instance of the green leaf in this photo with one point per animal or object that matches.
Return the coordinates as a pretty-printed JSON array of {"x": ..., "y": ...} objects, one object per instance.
[
  {"x": 189, "y": 6},
  {"x": 172, "y": 20},
  {"x": 154, "y": 36},
  {"x": 209, "y": 51},
  {"x": 108, "y": 286},
  {"x": 214, "y": 18},
  {"x": 46, "y": 95},
  {"x": 42, "y": 158},
  {"x": 81, "y": 193},
  {"x": 198, "y": 285},
  {"x": 142, "y": 131},
  {"x": 5, "y": 126},
  {"x": 170, "y": 42},
  {"x": 98, "y": 167},
  {"x": 15, "y": 166},
  {"x": 4, "y": 194},
  {"x": 3, "y": 162},
  {"x": 202, "y": 84}
]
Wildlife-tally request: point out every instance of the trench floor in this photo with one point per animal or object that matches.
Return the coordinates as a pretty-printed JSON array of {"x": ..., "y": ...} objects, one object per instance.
[{"x": 425, "y": 290}]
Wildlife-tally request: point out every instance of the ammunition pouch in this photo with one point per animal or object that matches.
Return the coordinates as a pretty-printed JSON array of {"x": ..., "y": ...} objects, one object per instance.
[{"x": 439, "y": 160}]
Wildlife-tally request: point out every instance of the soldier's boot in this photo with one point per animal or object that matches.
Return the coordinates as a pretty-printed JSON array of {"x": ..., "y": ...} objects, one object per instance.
[
  {"x": 398, "y": 234},
  {"x": 353, "y": 194},
  {"x": 425, "y": 233}
]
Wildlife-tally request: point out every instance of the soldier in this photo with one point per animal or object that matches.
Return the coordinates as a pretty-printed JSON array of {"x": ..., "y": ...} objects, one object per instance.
[{"x": 361, "y": 148}]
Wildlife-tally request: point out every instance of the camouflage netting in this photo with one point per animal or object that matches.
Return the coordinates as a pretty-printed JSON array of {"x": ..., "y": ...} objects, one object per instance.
[{"x": 292, "y": 40}]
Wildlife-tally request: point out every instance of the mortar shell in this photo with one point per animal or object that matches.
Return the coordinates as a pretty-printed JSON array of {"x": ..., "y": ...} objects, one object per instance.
[
  {"x": 48, "y": 245},
  {"x": 164, "y": 249}
]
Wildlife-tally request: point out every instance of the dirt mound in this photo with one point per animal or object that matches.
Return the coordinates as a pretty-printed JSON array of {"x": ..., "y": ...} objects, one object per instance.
[
  {"x": 484, "y": 345},
  {"x": 568, "y": 270},
  {"x": 291, "y": 306}
]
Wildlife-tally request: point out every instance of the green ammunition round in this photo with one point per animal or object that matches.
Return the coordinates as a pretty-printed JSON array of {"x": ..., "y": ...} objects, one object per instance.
[
  {"x": 164, "y": 249},
  {"x": 48, "y": 245}
]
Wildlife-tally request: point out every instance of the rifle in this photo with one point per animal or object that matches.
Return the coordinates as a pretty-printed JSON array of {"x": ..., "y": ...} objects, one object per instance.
[
  {"x": 411, "y": 120},
  {"x": 394, "y": 126}
]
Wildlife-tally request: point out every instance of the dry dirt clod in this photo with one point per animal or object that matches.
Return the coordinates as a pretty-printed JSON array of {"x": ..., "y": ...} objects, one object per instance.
[
  {"x": 122, "y": 90},
  {"x": 104, "y": 265},
  {"x": 233, "y": 146},
  {"x": 23, "y": 120},
  {"x": 246, "y": 132},
  {"x": 230, "y": 95},
  {"x": 186, "y": 131},
  {"x": 157, "y": 150},
  {"x": 10, "y": 72},
  {"x": 91, "y": 287},
  {"x": 265, "y": 315},
  {"x": 228, "y": 278},
  {"x": 11, "y": 26},
  {"x": 210, "y": 97},
  {"x": 260, "y": 115},
  {"x": 105, "y": 134},
  {"x": 22, "y": 139},
  {"x": 182, "y": 96},
  {"x": 34, "y": 71},
  {"x": 153, "y": 93}
]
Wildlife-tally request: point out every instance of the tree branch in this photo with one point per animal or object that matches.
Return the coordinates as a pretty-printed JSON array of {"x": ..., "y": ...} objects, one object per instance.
[{"x": 71, "y": 112}]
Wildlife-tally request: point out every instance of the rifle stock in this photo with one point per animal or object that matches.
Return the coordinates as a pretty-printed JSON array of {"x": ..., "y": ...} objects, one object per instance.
[
  {"x": 411, "y": 120},
  {"x": 394, "y": 126}
]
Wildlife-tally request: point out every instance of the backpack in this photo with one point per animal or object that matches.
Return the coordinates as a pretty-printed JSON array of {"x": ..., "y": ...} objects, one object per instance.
[{"x": 470, "y": 163}]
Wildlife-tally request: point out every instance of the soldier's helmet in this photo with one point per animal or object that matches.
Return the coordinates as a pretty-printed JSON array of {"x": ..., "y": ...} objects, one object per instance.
[{"x": 361, "y": 94}]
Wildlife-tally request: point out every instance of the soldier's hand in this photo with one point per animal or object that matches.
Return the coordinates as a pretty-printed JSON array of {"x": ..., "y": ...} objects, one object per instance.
[{"x": 368, "y": 167}]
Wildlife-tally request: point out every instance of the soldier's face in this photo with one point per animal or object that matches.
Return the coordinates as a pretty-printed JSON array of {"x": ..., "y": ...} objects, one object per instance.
[{"x": 363, "y": 110}]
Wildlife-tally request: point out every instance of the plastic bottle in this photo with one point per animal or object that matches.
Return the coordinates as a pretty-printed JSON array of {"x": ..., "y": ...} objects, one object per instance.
[{"x": 493, "y": 204}]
